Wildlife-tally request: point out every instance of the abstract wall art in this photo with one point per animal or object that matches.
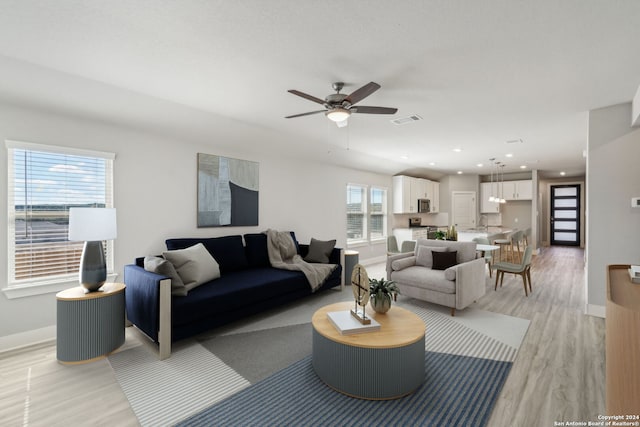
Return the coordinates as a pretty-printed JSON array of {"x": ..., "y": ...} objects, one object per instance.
[{"x": 227, "y": 191}]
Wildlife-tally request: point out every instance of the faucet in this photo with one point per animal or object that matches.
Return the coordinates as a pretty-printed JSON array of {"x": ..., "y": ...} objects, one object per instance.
[{"x": 486, "y": 221}]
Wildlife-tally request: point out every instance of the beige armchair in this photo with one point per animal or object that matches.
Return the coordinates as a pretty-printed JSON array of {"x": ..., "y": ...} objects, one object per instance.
[{"x": 456, "y": 286}]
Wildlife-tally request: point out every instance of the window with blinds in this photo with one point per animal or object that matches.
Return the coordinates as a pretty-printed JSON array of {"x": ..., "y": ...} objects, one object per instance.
[
  {"x": 44, "y": 182},
  {"x": 366, "y": 213},
  {"x": 378, "y": 213},
  {"x": 356, "y": 213}
]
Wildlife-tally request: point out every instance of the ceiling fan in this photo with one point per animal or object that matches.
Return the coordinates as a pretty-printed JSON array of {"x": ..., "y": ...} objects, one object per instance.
[{"x": 338, "y": 106}]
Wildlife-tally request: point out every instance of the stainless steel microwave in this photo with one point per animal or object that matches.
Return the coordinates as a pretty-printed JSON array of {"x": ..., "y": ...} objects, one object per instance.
[{"x": 424, "y": 205}]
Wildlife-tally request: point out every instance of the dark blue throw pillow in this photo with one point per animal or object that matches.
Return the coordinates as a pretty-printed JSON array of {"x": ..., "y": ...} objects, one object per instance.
[
  {"x": 228, "y": 251},
  {"x": 256, "y": 250}
]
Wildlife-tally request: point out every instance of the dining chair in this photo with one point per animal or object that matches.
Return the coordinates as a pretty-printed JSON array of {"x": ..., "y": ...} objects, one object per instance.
[
  {"x": 523, "y": 269},
  {"x": 506, "y": 243},
  {"x": 516, "y": 238},
  {"x": 488, "y": 257},
  {"x": 408, "y": 246},
  {"x": 392, "y": 245}
]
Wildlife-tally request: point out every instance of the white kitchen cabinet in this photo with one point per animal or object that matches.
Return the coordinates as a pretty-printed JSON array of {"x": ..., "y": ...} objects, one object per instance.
[
  {"x": 433, "y": 194},
  {"x": 518, "y": 190},
  {"x": 406, "y": 192},
  {"x": 486, "y": 191},
  {"x": 404, "y": 234}
]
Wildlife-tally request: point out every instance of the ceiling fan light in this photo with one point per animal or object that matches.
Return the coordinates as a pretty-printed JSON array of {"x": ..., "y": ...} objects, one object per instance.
[{"x": 338, "y": 114}]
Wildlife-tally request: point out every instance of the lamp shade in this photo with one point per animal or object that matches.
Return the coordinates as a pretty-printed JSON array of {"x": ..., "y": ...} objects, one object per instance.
[
  {"x": 92, "y": 224},
  {"x": 338, "y": 114}
]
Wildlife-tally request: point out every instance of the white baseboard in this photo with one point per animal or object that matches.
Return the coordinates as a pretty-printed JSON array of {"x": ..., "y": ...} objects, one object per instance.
[
  {"x": 24, "y": 339},
  {"x": 596, "y": 310}
]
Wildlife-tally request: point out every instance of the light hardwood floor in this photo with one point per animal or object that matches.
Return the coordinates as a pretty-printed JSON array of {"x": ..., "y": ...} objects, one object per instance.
[{"x": 558, "y": 374}]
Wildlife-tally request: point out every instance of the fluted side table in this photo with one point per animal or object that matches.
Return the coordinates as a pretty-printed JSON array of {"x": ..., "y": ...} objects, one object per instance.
[{"x": 91, "y": 325}]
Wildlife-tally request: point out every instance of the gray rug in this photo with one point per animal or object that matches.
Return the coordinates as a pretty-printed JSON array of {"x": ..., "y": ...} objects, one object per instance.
[
  {"x": 198, "y": 375},
  {"x": 256, "y": 355}
]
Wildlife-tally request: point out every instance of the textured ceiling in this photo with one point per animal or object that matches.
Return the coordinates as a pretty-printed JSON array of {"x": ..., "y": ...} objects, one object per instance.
[{"x": 478, "y": 73}]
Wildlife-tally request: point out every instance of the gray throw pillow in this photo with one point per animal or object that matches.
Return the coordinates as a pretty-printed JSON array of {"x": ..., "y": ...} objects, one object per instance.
[
  {"x": 161, "y": 266},
  {"x": 194, "y": 265},
  {"x": 319, "y": 251},
  {"x": 424, "y": 257}
]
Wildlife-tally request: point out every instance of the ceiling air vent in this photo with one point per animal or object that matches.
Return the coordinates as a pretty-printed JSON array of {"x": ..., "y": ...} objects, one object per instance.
[
  {"x": 515, "y": 141},
  {"x": 405, "y": 120}
]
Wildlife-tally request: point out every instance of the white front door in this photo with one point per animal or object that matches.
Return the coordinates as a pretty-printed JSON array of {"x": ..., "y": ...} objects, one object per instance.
[{"x": 463, "y": 208}]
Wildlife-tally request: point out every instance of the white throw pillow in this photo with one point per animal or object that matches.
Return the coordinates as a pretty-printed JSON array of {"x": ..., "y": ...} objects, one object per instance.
[
  {"x": 194, "y": 265},
  {"x": 424, "y": 257}
]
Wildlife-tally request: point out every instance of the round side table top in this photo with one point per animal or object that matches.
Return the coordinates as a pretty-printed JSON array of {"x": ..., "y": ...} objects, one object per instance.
[
  {"x": 78, "y": 293},
  {"x": 398, "y": 327}
]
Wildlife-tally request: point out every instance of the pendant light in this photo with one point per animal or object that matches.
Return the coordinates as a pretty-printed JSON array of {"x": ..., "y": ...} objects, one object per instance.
[
  {"x": 492, "y": 198},
  {"x": 502, "y": 200}
]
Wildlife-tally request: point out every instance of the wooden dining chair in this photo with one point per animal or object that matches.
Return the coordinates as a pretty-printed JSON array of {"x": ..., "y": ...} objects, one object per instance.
[{"x": 523, "y": 269}]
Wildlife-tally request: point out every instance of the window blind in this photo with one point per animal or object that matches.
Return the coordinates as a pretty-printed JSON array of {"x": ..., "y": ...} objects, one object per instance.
[
  {"x": 44, "y": 182},
  {"x": 356, "y": 213}
]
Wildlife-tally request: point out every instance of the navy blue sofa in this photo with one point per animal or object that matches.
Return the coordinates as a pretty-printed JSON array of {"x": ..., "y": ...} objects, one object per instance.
[{"x": 247, "y": 285}]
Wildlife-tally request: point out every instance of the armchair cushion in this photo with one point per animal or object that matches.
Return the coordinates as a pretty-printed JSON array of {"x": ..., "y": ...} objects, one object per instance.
[
  {"x": 424, "y": 257},
  {"x": 401, "y": 264}
]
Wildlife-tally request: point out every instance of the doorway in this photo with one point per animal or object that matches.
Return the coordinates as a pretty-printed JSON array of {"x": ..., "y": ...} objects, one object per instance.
[
  {"x": 565, "y": 215},
  {"x": 464, "y": 209}
]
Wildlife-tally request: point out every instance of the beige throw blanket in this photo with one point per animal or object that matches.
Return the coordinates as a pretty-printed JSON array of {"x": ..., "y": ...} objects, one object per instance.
[{"x": 283, "y": 255}]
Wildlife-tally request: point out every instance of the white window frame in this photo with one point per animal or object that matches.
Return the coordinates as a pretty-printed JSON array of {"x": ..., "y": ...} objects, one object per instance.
[
  {"x": 367, "y": 239},
  {"x": 47, "y": 284}
]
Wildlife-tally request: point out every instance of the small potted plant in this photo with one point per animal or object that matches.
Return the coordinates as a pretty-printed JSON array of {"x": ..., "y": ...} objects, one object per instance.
[
  {"x": 381, "y": 291},
  {"x": 440, "y": 235}
]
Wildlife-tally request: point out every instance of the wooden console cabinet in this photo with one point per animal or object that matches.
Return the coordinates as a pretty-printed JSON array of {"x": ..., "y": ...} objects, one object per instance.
[{"x": 622, "y": 342}]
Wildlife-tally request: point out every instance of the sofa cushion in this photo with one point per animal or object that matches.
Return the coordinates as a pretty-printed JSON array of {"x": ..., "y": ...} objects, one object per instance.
[
  {"x": 424, "y": 278},
  {"x": 256, "y": 250},
  {"x": 194, "y": 265},
  {"x": 424, "y": 257},
  {"x": 164, "y": 267},
  {"x": 444, "y": 260},
  {"x": 236, "y": 290},
  {"x": 403, "y": 263},
  {"x": 228, "y": 251},
  {"x": 319, "y": 250}
]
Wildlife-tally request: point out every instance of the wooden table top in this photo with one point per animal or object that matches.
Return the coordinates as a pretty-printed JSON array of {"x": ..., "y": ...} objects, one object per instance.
[
  {"x": 78, "y": 293},
  {"x": 398, "y": 327}
]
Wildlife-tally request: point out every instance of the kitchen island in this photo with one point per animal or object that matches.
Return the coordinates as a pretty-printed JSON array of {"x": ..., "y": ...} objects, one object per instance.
[{"x": 491, "y": 233}]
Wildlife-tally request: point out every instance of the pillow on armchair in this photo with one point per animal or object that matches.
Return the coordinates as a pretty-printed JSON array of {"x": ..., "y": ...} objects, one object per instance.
[
  {"x": 424, "y": 255},
  {"x": 444, "y": 260}
]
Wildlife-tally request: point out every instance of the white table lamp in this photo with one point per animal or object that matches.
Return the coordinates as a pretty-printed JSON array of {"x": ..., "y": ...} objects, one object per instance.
[{"x": 93, "y": 225}]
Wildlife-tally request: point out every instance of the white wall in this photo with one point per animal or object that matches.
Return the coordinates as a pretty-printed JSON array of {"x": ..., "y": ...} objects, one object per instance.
[
  {"x": 613, "y": 177},
  {"x": 155, "y": 192}
]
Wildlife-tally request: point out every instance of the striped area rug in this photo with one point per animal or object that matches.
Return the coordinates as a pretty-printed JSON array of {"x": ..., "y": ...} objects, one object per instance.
[
  {"x": 465, "y": 370},
  {"x": 458, "y": 391}
]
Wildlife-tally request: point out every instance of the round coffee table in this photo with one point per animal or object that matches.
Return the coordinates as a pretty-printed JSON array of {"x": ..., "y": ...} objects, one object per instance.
[{"x": 385, "y": 364}]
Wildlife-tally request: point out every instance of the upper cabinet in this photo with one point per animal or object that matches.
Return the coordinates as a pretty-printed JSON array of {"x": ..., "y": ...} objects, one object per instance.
[
  {"x": 486, "y": 191},
  {"x": 407, "y": 190},
  {"x": 509, "y": 190},
  {"x": 518, "y": 190}
]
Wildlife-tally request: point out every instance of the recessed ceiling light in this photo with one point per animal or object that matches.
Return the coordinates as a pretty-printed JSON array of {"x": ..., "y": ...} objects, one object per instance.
[
  {"x": 563, "y": 173},
  {"x": 479, "y": 165},
  {"x": 432, "y": 163},
  {"x": 508, "y": 155},
  {"x": 404, "y": 157},
  {"x": 459, "y": 172},
  {"x": 523, "y": 166},
  {"x": 458, "y": 150}
]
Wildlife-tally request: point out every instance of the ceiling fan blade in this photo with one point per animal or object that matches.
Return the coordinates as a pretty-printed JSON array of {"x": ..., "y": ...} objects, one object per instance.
[
  {"x": 305, "y": 114},
  {"x": 373, "y": 110},
  {"x": 307, "y": 96},
  {"x": 362, "y": 93}
]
